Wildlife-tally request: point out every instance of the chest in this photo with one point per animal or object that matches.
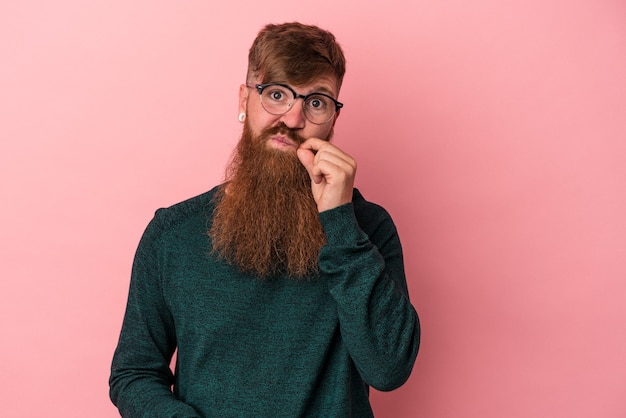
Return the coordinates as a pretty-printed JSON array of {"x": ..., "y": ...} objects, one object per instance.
[{"x": 210, "y": 300}]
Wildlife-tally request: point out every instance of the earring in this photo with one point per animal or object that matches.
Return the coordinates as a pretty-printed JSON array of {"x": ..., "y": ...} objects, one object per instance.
[{"x": 242, "y": 117}]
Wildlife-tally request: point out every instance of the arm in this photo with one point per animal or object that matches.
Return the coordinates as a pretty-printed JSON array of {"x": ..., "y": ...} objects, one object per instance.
[
  {"x": 366, "y": 277},
  {"x": 141, "y": 379},
  {"x": 365, "y": 270}
]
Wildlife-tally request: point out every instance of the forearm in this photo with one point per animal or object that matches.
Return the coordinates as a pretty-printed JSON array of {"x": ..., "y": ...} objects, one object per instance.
[
  {"x": 145, "y": 394},
  {"x": 141, "y": 379}
]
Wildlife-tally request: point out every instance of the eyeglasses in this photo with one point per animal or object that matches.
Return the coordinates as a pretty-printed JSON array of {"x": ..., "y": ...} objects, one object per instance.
[{"x": 277, "y": 99}]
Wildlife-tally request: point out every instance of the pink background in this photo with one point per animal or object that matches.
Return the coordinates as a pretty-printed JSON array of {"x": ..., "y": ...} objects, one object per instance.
[{"x": 494, "y": 132}]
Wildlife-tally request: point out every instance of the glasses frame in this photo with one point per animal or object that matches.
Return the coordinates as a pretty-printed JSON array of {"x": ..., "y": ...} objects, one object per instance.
[{"x": 304, "y": 97}]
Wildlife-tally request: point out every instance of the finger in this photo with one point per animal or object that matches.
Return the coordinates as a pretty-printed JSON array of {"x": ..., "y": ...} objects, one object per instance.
[
  {"x": 334, "y": 157},
  {"x": 326, "y": 150},
  {"x": 307, "y": 158},
  {"x": 333, "y": 161},
  {"x": 314, "y": 144}
]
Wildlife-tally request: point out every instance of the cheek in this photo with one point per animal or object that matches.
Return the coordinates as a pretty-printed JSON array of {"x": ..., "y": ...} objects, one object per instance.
[
  {"x": 260, "y": 121},
  {"x": 324, "y": 132}
]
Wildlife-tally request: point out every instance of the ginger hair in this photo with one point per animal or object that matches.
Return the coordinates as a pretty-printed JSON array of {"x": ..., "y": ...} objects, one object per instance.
[{"x": 295, "y": 53}]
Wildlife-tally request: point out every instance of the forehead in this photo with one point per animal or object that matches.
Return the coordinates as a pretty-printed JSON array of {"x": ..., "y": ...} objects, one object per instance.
[{"x": 324, "y": 84}]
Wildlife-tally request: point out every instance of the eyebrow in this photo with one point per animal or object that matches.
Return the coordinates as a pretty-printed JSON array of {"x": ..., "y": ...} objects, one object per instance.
[
  {"x": 316, "y": 89},
  {"x": 322, "y": 89}
]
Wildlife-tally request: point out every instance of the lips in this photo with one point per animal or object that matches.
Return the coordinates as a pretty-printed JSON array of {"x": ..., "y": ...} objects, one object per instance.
[
  {"x": 281, "y": 134},
  {"x": 283, "y": 140}
]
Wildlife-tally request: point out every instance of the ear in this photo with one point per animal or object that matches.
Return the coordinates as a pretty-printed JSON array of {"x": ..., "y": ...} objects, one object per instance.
[{"x": 244, "y": 91}]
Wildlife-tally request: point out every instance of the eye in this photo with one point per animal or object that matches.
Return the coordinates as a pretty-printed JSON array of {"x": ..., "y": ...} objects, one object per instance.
[
  {"x": 276, "y": 95},
  {"x": 318, "y": 103}
]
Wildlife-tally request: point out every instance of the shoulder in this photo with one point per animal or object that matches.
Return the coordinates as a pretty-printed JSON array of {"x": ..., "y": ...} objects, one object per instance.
[
  {"x": 373, "y": 219},
  {"x": 190, "y": 213},
  {"x": 368, "y": 212},
  {"x": 188, "y": 208}
]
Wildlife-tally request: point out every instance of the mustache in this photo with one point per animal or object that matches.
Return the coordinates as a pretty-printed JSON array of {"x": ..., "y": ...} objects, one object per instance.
[{"x": 282, "y": 129}]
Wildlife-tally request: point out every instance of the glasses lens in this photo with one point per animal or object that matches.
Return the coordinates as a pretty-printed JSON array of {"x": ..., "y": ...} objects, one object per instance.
[
  {"x": 276, "y": 99},
  {"x": 319, "y": 108}
]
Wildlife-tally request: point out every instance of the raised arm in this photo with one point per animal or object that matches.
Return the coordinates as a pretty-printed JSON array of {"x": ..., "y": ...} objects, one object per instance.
[{"x": 364, "y": 267}]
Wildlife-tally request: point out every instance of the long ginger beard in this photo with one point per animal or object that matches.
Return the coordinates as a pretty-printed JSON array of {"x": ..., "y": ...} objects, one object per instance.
[{"x": 266, "y": 221}]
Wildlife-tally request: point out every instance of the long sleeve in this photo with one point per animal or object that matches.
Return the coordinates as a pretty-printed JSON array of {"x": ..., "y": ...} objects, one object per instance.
[
  {"x": 141, "y": 380},
  {"x": 275, "y": 347},
  {"x": 364, "y": 266}
]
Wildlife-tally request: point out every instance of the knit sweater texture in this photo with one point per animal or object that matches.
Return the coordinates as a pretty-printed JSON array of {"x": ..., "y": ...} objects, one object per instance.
[{"x": 273, "y": 347}]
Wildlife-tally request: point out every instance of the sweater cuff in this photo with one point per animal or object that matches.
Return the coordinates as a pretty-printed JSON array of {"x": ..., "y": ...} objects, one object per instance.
[{"x": 340, "y": 225}]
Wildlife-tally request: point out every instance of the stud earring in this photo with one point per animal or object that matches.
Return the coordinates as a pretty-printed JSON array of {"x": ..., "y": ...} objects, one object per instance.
[{"x": 242, "y": 117}]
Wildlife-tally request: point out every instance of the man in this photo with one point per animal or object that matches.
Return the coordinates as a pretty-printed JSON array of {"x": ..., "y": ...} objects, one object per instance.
[{"x": 283, "y": 290}]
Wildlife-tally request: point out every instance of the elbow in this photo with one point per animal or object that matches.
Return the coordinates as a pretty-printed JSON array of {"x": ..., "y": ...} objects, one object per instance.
[
  {"x": 393, "y": 378},
  {"x": 397, "y": 370}
]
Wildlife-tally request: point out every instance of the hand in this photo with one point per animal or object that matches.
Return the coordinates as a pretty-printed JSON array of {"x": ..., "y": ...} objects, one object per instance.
[{"x": 331, "y": 170}]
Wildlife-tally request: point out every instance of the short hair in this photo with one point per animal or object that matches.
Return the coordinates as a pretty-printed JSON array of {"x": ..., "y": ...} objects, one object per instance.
[{"x": 295, "y": 53}]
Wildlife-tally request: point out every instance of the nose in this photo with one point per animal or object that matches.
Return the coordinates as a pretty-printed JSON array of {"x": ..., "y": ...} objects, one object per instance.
[{"x": 294, "y": 118}]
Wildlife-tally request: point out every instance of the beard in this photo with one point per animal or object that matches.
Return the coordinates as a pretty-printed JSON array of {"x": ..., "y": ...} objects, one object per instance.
[{"x": 266, "y": 221}]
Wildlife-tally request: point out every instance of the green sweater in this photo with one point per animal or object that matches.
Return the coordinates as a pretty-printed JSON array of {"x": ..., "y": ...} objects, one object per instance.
[{"x": 276, "y": 347}]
